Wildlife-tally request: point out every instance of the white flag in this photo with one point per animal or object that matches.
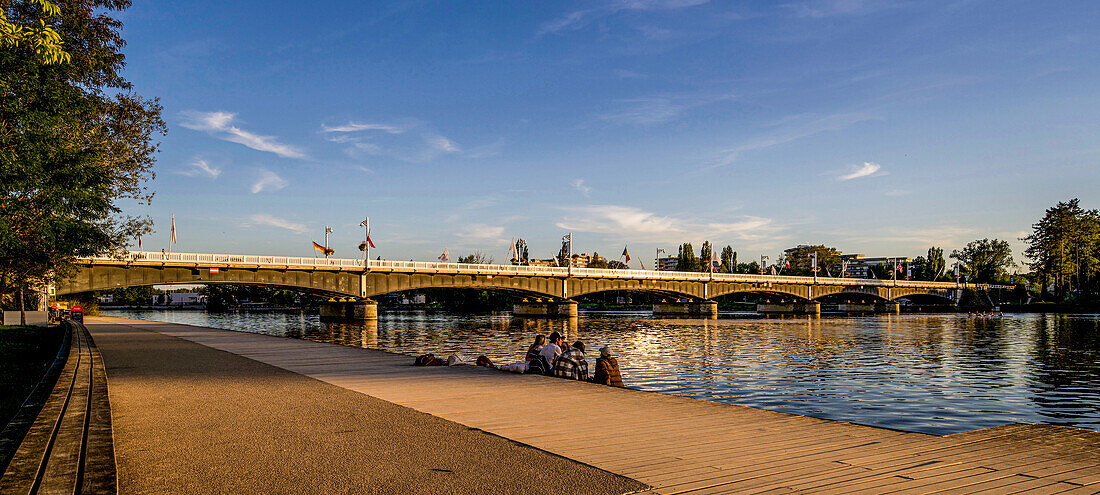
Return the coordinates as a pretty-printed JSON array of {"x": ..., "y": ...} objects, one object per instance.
[
  {"x": 512, "y": 249},
  {"x": 173, "y": 238}
]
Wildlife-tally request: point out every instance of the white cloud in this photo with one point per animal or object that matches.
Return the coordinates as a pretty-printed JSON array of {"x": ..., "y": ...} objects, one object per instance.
[
  {"x": 268, "y": 181},
  {"x": 219, "y": 125},
  {"x": 578, "y": 184},
  {"x": 272, "y": 221},
  {"x": 356, "y": 127},
  {"x": 199, "y": 168},
  {"x": 656, "y": 109},
  {"x": 482, "y": 233},
  {"x": 441, "y": 143},
  {"x": 637, "y": 224},
  {"x": 792, "y": 128},
  {"x": 578, "y": 19},
  {"x": 829, "y": 8},
  {"x": 868, "y": 169}
]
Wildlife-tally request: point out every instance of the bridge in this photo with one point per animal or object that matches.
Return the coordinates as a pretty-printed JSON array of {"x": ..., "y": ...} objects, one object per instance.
[{"x": 546, "y": 290}]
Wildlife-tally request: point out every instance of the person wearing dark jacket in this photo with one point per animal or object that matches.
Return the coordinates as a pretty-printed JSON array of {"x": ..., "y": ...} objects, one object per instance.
[{"x": 607, "y": 369}]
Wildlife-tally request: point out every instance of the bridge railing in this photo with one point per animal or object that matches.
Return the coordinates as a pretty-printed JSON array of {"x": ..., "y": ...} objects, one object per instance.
[{"x": 289, "y": 261}]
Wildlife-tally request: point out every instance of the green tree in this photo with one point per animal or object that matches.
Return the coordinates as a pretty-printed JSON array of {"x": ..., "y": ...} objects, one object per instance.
[
  {"x": 706, "y": 257},
  {"x": 617, "y": 265},
  {"x": 729, "y": 260},
  {"x": 597, "y": 261},
  {"x": 476, "y": 258},
  {"x": 1064, "y": 247},
  {"x": 986, "y": 260},
  {"x": 934, "y": 266},
  {"x": 801, "y": 260},
  {"x": 686, "y": 260},
  {"x": 71, "y": 149},
  {"x": 29, "y": 25}
]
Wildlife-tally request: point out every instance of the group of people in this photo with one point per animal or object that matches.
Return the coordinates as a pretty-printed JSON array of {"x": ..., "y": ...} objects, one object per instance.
[{"x": 554, "y": 357}]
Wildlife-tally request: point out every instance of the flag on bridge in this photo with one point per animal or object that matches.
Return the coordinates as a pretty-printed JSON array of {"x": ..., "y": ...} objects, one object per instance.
[
  {"x": 370, "y": 242},
  {"x": 627, "y": 254},
  {"x": 318, "y": 247},
  {"x": 445, "y": 257},
  {"x": 173, "y": 239},
  {"x": 139, "y": 243}
]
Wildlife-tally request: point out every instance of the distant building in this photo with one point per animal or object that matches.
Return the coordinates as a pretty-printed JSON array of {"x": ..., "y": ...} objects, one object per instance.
[
  {"x": 182, "y": 298},
  {"x": 859, "y": 266},
  {"x": 668, "y": 263},
  {"x": 415, "y": 299},
  {"x": 583, "y": 260}
]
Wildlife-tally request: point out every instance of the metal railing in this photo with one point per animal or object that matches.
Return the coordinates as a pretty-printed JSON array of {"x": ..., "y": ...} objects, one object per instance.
[{"x": 130, "y": 257}]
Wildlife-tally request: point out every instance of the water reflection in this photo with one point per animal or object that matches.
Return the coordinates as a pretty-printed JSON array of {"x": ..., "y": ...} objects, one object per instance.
[{"x": 931, "y": 373}]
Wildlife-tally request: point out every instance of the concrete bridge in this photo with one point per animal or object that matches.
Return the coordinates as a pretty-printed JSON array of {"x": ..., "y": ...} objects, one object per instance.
[{"x": 547, "y": 290}]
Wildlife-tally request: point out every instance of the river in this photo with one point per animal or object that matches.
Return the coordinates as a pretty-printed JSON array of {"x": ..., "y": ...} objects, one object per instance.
[{"x": 936, "y": 374}]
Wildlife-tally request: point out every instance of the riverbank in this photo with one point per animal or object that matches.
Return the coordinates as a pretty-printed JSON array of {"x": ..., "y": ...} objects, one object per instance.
[
  {"x": 189, "y": 418},
  {"x": 674, "y": 444},
  {"x": 25, "y": 353}
]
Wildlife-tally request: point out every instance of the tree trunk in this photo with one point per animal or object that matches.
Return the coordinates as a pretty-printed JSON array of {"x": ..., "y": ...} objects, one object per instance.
[{"x": 22, "y": 311}]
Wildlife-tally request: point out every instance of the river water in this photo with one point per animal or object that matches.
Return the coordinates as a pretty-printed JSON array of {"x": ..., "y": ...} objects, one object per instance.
[{"x": 937, "y": 374}]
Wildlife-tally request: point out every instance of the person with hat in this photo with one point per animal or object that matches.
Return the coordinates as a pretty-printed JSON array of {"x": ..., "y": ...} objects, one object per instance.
[{"x": 607, "y": 369}]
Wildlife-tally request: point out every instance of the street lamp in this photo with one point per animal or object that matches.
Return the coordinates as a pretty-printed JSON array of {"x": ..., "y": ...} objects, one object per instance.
[{"x": 762, "y": 259}]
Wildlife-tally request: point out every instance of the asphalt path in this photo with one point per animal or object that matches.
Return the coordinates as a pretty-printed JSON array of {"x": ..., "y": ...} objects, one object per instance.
[{"x": 192, "y": 419}]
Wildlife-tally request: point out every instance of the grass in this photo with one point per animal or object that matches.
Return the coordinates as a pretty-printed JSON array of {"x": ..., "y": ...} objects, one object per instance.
[{"x": 25, "y": 354}]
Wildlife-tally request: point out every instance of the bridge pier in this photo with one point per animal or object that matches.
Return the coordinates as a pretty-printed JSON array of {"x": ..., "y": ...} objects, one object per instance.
[
  {"x": 880, "y": 307},
  {"x": 349, "y": 310},
  {"x": 549, "y": 308},
  {"x": 702, "y": 309},
  {"x": 888, "y": 307},
  {"x": 798, "y": 308}
]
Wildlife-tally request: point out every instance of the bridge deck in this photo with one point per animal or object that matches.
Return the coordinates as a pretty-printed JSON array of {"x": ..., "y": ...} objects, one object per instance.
[{"x": 681, "y": 445}]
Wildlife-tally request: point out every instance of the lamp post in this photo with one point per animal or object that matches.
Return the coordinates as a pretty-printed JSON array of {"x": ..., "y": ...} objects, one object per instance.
[
  {"x": 328, "y": 230},
  {"x": 365, "y": 246},
  {"x": 813, "y": 265},
  {"x": 657, "y": 261},
  {"x": 762, "y": 260}
]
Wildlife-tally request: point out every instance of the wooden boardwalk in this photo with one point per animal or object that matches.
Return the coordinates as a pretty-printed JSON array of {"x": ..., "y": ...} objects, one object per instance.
[{"x": 681, "y": 445}]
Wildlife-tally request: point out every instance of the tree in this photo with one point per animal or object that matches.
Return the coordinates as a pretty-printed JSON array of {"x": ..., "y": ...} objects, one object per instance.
[
  {"x": 29, "y": 25},
  {"x": 986, "y": 260},
  {"x": 801, "y": 260},
  {"x": 71, "y": 151},
  {"x": 564, "y": 254},
  {"x": 934, "y": 265},
  {"x": 476, "y": 258},
  {"x": 706, "y": 257},
  {"x": 686, "y": 260},
  {"x": 729, "y": 260},
  {"x": 597, "y": 261},
  {"x": 1064, "y": 247},
  {"x": 617, "y": 265}
]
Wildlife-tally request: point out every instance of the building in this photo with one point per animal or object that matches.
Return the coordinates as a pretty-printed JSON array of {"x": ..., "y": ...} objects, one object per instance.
[
  {"x": 859, "y": 266},
  {"x": 583, "y": 260},
  {"x": 668, "y": 263}
]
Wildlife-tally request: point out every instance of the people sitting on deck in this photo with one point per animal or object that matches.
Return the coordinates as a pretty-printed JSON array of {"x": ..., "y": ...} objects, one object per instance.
[
  {"x": 607, "y": 369},
  {"x": 540, "y": 340},
  {"x": 553, "y": 349},
  {"x": 571, "y": 363}
]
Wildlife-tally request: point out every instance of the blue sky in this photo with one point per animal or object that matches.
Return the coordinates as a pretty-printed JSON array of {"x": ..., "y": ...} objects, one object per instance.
[{"x": 875, "y": 127}]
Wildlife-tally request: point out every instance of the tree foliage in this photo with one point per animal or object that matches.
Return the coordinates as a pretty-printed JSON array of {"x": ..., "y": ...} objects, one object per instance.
[
  {"x": 706, "y": 257},
  {"x": 74, "y": 140},
  {"x": 29, "y": 25},
  {"x": 686, "y": 260},
  {"x": 1064, "y": 247},
  {"x": 801, "y": 260},
  {"x": 985, "y": 260},
  {"x": 729, "y": 260},
  {"x": 476, "y": 258}
]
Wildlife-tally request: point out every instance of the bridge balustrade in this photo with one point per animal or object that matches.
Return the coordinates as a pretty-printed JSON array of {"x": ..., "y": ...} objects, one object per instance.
[{"x": 486, "y": 269}]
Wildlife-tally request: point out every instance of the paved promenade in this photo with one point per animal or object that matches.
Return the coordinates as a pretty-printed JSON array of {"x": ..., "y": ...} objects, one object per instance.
[
  {"x": 191, "y": 419},
  {"x": 676, "y": 445}
]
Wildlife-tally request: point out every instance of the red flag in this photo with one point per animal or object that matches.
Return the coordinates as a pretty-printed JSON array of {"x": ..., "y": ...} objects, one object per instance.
[
  {"x": 369, "y": 241},
  {"x": 139, "y": 243},
  {"x": 788, "y": 265}
]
